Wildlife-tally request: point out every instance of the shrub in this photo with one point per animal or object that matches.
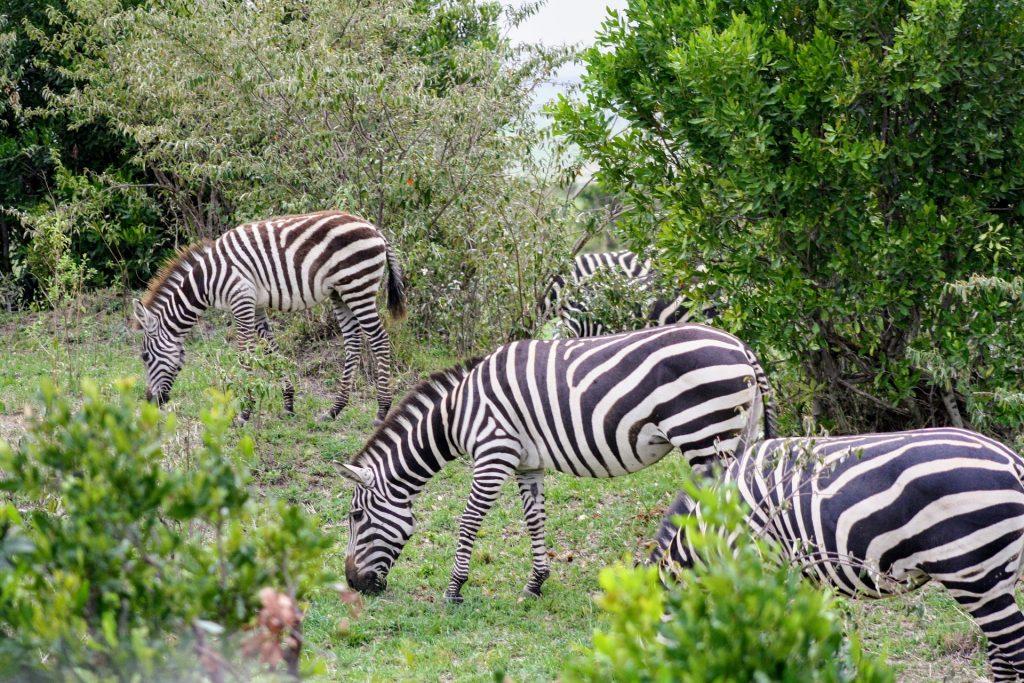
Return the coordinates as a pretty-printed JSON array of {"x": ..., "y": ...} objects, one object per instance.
[
  {"x": 115, "y": 564},
  {"x": 835, "y": 165},
  {"x": 734, "y": 616}
]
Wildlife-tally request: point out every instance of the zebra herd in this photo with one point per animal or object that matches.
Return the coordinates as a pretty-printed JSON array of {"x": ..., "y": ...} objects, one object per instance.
[{"x": 868, "y": 515}]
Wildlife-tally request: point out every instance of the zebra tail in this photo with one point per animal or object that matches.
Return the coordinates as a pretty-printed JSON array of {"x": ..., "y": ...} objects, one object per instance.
[{"x": 396, "y": 289}]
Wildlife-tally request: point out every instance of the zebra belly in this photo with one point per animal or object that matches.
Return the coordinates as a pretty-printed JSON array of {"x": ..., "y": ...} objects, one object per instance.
[
  {"x": 651, "y": 447},
  {"x": 282, "y": 301}
]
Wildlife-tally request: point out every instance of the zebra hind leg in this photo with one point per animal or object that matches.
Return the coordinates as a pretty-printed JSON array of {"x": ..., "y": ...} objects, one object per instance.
[
  {"x": 1001, "y": 620},
  {"x": 380, "y": 346},
  {"x": 352, "y": 337},
  {"x": 531, "y": 490},
  {"x": 489, "y": 473}
]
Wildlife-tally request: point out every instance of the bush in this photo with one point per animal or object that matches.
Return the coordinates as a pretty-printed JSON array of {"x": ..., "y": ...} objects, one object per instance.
[
  {"x": 115, "y": 564},
  {"x": 835, "y": 165},
  {"x": 734, "y": 616}
]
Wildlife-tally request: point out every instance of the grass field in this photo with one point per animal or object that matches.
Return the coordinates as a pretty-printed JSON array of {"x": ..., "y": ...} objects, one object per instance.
[{"x": 408, "y": 632}]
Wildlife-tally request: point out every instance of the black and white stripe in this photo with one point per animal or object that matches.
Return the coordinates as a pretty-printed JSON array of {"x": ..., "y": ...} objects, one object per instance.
[
  {"x": 593, "y": 407},
  {"x": 882, "y": 514},
  {"x": 288, "y": 263},
  {"x": 574, "y": 318}
]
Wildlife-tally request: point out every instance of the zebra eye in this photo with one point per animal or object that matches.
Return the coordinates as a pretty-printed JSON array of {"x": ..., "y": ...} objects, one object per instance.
[
  {"x": 145, "y": 356},
  {"x": 357, "y": 515}
]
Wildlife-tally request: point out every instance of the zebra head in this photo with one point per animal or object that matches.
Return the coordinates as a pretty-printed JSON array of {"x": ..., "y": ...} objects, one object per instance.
[
  {"x": 163, "y": 354},
  {"x": 379, "y": 527}
]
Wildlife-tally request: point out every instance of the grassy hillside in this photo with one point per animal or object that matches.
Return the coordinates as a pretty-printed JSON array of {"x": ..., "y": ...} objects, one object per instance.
[{"x": 409, "y": 632}]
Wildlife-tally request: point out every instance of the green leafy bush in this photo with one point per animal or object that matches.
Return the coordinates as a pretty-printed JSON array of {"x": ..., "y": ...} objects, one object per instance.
[
  {"x": 733, "y": 617},
  {"x": 116, "y": 564},
  {"x": 835, "y": 165}
]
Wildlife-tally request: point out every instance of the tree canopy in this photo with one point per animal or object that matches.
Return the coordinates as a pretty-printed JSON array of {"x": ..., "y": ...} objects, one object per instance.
[{"x": 836, "y": 166}]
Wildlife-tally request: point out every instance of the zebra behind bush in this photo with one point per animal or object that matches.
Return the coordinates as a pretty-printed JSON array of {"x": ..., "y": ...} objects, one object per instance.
[
  {"x": 882, "y": 514},
  {"x": 566, "y": 296},
  {"x": 594, "y": 407},
  {"x": 288, "y": 263}
]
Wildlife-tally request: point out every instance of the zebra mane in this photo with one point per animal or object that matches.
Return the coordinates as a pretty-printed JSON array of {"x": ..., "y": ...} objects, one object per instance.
[
  {"x": 452, "y": 375},
  {"x": 171, "y": 266}
]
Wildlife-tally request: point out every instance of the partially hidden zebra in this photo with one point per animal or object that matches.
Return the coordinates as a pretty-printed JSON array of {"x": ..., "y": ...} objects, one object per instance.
[
  {"x": 593, "y": 407},
  {"x": 288, "y": 263},
  {"x": 574, "y": 319},
  {"x": 882, "y": 514}
]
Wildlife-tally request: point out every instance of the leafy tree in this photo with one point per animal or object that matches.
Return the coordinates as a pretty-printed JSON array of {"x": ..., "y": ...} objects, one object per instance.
[
  {"x": 116, "y": 564},
  {"x": 48, "y": 164},
  {"x": 734, "y": 617},
  {"x": 414, "y": 114},
  {"x": 837, "y": 166}
]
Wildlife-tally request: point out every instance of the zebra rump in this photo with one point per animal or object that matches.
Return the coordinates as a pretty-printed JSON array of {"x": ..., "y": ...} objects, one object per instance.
[{"x": 882, "y": 514}]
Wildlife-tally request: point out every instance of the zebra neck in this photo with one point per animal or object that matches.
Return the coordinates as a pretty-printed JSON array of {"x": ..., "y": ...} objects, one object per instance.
[
  {"x": 185, "y": 296},
  {"x": 416, "y": 440}
]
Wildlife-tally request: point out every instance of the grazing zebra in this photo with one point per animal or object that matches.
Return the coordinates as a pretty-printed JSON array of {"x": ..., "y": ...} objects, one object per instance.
[
  {"x": 289, "y": 263},
  {"x": 882, "y": 514},
  {"x": 594, "y": 407},
  {"x": 574, "y": 317}
]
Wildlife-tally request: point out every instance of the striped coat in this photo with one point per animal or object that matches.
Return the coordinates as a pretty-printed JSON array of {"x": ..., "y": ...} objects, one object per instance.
[
  {"x": 595, "y": 407},
  {"x": 882, "y": 514},
  {"x": 288, "y": 263}
]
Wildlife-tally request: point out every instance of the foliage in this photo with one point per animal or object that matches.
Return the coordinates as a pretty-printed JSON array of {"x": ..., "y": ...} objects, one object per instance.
[
  {"x": 47, "y": 164},
  {"x": 120, "y": 564},
  {"x": 833, "y": 164},
  {"x": 413, "y": 114},
  {"x": 734, "y": 616}
]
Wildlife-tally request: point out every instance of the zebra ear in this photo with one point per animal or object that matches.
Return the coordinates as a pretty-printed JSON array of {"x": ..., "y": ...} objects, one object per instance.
[
  {"x": 145, "y": 319},
  {"x": 360, "y": 475}
]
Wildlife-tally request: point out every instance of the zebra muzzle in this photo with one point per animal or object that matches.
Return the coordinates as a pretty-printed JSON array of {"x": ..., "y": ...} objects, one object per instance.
[{"x": 368, "y": 583}]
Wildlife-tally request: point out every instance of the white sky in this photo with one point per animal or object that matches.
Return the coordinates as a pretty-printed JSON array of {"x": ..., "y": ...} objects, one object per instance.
[{"x": 562, "y": 22}]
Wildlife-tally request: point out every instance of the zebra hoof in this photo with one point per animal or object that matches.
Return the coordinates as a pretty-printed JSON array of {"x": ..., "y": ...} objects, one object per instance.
[
  {"x": 528, "y": 594},
  {"x": 377, "y": 422},
  {"x": 453, "y": 599},
  {"x": 328, "y": 416}
]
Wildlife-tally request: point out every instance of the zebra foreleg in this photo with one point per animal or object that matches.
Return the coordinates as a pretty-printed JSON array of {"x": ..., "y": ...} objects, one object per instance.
[
  {"x": 243, "y": 311},
  {"x": 264, "y": 332},
  {"x": 531, "y": 489},
  {"x": 489, "y": 473}
]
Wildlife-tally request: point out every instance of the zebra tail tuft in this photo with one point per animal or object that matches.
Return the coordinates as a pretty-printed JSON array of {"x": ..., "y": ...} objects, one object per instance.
[{"x": 396, "y": 288}]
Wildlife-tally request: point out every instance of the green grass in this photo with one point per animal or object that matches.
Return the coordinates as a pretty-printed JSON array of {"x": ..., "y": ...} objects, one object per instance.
[{"x": 408, "y": 632}]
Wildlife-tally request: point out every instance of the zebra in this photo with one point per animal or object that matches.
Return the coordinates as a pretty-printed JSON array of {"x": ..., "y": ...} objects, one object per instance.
[
  {"x": 288, "y": 263},
  {"x": 594, "y": 407},
  {"x": 572, "y": 312},
  {"x": 882, "y": 514}
]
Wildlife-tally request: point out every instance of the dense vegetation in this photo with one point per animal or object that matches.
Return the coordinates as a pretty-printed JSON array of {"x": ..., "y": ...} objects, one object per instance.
[
  {"x": 415, "y": 115},
  {"x": 850, "y": 176}
]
